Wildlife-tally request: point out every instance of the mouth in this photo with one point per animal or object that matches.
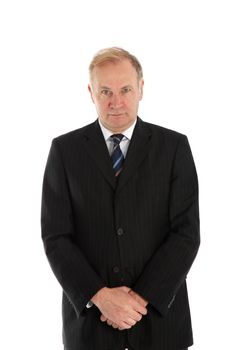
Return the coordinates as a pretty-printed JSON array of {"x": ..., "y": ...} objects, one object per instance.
[{"x": 116, "y": 114}]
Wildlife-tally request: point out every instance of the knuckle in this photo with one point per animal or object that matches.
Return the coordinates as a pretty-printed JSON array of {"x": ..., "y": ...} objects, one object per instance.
[
  {"x": 131, "y": 322},
  {"x": 121, "y": 324},
  {"x": 127, "y": 325}
]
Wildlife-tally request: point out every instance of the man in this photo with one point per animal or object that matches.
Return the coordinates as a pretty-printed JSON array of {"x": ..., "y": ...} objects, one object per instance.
[{"x": 120, "y": 220}]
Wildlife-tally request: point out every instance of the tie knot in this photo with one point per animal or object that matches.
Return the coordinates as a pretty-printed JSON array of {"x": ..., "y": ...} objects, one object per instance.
[{"x": 116, "y": 138}]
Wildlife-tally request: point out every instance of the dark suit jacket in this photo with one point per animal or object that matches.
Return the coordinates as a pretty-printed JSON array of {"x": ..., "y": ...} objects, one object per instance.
[{"x": 140, "y": 230}]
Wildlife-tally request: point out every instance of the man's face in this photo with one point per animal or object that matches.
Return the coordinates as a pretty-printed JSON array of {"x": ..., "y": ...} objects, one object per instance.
[{"x": 116, "y": 92}]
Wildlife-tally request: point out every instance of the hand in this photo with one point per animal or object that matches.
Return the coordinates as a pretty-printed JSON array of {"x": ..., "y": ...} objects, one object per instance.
[
  {"x": 138, "y": 298},
  {"x": 118, "y": 307},
  {"x": 110, "y": 323}
]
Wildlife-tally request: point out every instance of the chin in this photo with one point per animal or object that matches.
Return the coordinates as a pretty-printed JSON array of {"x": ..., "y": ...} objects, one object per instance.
[{"x": 117, "y": 122}]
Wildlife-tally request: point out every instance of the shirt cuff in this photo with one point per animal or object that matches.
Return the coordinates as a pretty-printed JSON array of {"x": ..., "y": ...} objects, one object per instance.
[{"x": 89, "y": 304}]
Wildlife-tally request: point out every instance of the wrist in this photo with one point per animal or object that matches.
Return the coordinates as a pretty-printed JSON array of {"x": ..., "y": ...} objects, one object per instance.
[{"x": 99, "y": 296}]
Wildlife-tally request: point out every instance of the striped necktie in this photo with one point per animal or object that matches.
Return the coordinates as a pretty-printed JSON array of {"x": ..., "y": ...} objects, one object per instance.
[{"x": 117, "y": 155}]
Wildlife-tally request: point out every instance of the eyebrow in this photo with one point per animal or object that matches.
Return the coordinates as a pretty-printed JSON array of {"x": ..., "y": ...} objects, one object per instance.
[
  {"x": 123, "y": 87},
  {"x": 127, "y": 86},
  {"x": 105, "y": 87}
]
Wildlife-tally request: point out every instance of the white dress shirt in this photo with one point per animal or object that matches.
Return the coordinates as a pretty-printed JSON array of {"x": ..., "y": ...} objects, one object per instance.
[{"x": 124, "y": 144}]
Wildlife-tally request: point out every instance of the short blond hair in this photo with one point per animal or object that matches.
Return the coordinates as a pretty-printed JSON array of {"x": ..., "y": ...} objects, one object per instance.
[{"x": 114, "y": 54}]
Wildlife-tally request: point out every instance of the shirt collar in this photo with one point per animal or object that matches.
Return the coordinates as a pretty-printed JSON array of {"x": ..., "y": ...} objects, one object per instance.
[{"x": 127, "y": 133}]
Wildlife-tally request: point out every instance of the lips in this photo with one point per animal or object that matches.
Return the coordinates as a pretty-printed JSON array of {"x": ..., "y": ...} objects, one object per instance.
[{"x": 115, "y": 114}]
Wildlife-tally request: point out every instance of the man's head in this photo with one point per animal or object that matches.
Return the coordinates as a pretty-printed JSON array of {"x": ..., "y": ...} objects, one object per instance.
[{"x": 116, "y": 87}]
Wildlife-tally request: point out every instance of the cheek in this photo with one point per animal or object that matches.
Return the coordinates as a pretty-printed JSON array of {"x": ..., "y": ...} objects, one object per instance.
[
  {"x": 132, "y": 104},
  {"x": 101, "y": 105}
]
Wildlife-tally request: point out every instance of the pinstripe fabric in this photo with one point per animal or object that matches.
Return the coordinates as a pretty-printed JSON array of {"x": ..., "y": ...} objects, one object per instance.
[{"x": 154, "y": 202}]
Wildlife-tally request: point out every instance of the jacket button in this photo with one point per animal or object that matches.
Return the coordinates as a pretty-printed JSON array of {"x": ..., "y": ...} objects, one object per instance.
[
  {"x": 120, "y": 231},
  {"x": 116, "y": 269}
]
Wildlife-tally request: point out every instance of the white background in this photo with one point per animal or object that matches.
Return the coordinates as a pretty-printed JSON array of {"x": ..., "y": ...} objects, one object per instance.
[{"x": 186, "y": 51}]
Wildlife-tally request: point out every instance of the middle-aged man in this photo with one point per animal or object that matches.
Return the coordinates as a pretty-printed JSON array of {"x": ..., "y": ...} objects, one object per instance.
[{"x": 120, "y": 220}]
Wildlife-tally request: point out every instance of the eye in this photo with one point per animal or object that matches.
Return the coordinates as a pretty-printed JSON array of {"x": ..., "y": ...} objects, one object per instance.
[
  {"x": 106, "y": 92},
  {"x": 126, "y": 89}
]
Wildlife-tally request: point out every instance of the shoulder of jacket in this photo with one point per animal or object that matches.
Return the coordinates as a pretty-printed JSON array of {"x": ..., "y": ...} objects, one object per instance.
[
  {"x": 164, "y": 132},
  {"x": 73, "y": 135}
]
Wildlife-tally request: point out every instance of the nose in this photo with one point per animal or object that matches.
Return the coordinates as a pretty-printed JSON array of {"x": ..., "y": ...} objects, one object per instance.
[{"x": 116, "y": 101}]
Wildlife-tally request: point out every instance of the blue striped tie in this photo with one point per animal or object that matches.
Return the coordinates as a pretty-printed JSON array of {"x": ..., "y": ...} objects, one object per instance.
[{"x": 117, "y": 155}]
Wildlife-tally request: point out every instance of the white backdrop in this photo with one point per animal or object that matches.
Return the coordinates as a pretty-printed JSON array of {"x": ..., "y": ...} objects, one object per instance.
[{"x": 186, "y": 51}]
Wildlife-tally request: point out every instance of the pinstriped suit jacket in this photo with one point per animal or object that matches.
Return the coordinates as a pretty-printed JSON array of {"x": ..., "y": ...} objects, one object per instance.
[{"x": 140, "y": 230}]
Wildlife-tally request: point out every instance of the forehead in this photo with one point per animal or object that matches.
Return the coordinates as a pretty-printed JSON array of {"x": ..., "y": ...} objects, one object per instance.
[{"x": 119, "y": 73}]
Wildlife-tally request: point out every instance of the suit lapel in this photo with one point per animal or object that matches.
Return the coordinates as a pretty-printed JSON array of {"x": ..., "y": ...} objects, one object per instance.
[
  {"x": 97, "y": 148},
  {"x": 138, "y": 148}
]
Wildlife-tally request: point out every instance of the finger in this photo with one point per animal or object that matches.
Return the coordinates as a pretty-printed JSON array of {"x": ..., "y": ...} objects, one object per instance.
[
  {"x": 141, "y": 309},
  {"x": 103, "y": 318},
  {"x": 114, "y": 325},
  {"x": 130, "y": 321},
  {"x": 137, "y": 306},
  {"x": 125, "y": 325},
  {"x": 125, "y": 289},
  {"x": 138, "y": 298},
  {"x": 109, "y": 322},
  {"x": 136, "y": 316},
  {"x": 121, "y": 328}
]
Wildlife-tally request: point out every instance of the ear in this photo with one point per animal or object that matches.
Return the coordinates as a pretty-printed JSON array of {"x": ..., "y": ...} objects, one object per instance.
[
  {"x": 90, "y": 90},
  {"x": 141, "y": 85}
]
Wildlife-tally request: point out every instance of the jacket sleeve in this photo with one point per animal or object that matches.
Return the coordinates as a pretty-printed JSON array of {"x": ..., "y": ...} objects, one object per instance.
[
  {"x": 168, "y": 267},
  {"x": 77, "y": 278}
]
